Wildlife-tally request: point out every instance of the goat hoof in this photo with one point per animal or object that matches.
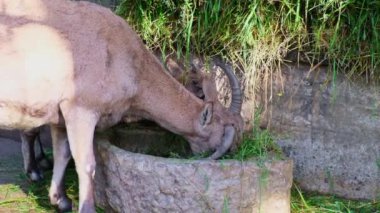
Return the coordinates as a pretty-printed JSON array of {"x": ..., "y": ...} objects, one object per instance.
[
  {"x": 64, "y": 205},
  {"x": 35, "y": 176},
  {"x": 45, "y": 164}
]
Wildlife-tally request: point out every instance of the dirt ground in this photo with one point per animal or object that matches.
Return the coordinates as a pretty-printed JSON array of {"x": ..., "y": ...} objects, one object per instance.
[
  {"x": 11, "y": 164},
  {"x": 17, "y": 192},
  {"x": 11, "y": 169}
]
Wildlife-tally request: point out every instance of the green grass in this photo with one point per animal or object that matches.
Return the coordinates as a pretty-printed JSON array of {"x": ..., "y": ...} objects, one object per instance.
[
  {"x": 259, "y": 144},
  {"x": 26, "y": 196},
  {"x": 338, "y": 30},
  {"x": 33, "y": 197},
  {"x": 312, "y": 202},
  {"x": 257, "y": 36}
]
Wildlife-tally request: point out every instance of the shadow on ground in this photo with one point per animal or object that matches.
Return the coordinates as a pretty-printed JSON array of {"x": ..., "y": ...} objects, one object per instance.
[{"x": 17, "y": 192}]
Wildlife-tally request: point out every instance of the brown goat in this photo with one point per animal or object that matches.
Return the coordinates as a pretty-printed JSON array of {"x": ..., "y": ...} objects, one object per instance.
[
  {"x": 34, "y": 164},
  {"x": 77, "y": 65}
]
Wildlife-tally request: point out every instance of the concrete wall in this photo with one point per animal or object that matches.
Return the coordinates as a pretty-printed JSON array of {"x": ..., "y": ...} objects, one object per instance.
[{"x": 331, "y": 129}]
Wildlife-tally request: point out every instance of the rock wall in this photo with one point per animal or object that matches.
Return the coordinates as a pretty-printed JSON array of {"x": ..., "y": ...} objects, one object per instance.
[{"x": 331, "y": 128}]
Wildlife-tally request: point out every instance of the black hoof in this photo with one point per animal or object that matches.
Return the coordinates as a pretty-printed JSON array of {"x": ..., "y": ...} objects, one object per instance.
[
  {"x": 65, "y": 205},
  {"x": 45, "y": 164},
  {"x": 35, "y": 176}
]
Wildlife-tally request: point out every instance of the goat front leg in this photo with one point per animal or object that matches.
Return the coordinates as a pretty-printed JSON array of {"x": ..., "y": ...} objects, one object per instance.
[
  {"x": 62, "y": 155},
  {"x": 28, "y": 154},
  {"x": 80, "y": 126}
]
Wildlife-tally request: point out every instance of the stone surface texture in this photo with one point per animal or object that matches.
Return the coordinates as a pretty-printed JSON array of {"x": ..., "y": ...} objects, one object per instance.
[
  {"x": 132, "y": 182},
  {"x": 331, "y": 128}
]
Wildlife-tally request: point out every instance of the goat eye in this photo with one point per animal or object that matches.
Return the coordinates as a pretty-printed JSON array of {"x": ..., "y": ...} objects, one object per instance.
[{"x": 206, "y": 115}]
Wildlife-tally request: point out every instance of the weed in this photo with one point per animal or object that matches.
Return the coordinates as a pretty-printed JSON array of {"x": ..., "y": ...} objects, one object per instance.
[
  {"x": 330, "y": 180},
  {"x": 312, "y": 202},
  {"x": 226, "y": 205},
  {"x": 258, "y": 144},
  {"x": 33, "y": 197},
  {"x": 257, "y": 36}
]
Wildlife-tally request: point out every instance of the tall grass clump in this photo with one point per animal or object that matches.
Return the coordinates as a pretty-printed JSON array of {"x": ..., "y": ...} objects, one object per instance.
[
  {"x": 346, "y": 33},
  {"x": 258, "y": 144},
  {"x": 257, "y": 36},
  {"x": 314, "y": 203},
  {"x": 246, "y": 32}
]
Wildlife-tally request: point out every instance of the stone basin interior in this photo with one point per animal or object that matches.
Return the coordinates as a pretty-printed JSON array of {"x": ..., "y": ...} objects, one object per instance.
[{"x": 146, "y": 137}]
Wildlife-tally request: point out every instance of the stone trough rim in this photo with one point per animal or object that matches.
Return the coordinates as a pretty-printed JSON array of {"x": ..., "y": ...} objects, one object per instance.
[
  {"x": 104, "y": 142},
  {"x": 253, "y": 185}
]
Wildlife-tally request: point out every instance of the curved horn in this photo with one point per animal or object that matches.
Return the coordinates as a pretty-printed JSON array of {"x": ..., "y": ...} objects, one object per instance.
[
  {"x": 228, "y": 138},
  {"x": 236, "y": 95}
]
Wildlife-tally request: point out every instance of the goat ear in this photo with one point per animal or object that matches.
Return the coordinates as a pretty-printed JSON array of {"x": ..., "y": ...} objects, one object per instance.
[
  {"x": 174, "y": 68},
  {"x": 206, "y": 115},
  {"x": 209, "y": 88}
]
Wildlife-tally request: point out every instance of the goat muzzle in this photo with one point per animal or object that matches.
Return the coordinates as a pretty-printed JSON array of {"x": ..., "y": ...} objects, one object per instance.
[{"x": 228, "y": 139}]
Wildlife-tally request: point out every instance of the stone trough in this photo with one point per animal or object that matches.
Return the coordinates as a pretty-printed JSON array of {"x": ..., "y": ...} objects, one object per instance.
[{"x": 127, "y": 181}]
